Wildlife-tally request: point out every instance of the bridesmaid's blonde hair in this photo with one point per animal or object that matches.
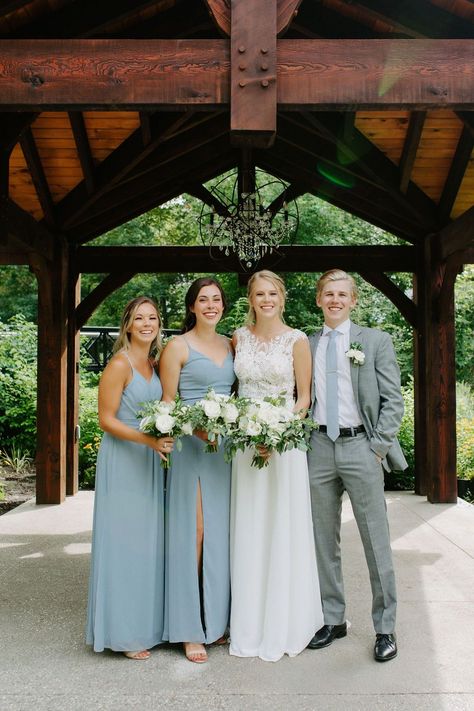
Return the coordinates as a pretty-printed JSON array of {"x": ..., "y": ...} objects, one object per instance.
[
  {"x": 277, "y": 282},
  {"x": 123, "y": 340}
]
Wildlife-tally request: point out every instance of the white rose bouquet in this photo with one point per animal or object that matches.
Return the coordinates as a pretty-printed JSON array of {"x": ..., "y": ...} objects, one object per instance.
[
  {"x": 158, "y": 418},
  {"x": 271, "y": 424},
  {"x": 216, "y": 414}
]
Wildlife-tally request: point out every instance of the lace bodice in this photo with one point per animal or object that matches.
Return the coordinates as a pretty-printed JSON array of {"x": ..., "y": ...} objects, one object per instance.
[{"x": 265, "y": 368}]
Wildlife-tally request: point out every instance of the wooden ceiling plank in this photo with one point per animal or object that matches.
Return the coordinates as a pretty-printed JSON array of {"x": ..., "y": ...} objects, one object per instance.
[
  {"x": 317, "y": 74},
  {"x": 84, "y": 152},
  {"x": 33, "y": 160},
  {"x": 410, "y": 147},
  {"x": 459, "y": 163}
]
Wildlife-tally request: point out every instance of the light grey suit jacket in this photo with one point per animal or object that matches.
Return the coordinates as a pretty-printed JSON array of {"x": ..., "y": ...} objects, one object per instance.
[{"x": 376, "y": 386}]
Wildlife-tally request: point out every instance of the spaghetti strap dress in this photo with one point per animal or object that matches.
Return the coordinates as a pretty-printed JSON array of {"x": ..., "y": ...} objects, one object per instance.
[
  {"x": 197, "y": 610},
  {"x": 126, "y": 586}
]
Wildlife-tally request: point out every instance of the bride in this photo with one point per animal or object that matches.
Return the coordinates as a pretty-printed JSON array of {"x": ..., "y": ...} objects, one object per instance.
[{"x": 276, "y": 603}]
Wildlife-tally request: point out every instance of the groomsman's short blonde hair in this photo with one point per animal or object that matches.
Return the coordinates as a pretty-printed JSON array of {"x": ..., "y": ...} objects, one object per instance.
[{"x": 335, "y": 275}]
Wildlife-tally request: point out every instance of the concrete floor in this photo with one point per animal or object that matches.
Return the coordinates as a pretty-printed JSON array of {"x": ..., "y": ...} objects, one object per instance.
[{"x": 45, "y": 665}]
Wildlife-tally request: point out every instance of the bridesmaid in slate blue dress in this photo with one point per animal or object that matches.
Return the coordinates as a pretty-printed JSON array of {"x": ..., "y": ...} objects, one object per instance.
[
  {"x": 197, "y": 593},
  {"x": 126, "y": 587}
]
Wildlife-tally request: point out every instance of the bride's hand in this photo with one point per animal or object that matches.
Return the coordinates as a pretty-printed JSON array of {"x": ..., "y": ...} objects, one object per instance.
[{"x": 263, "y": 451}]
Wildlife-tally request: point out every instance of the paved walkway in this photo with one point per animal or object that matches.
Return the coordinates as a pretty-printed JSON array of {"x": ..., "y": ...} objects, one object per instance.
[{"x": 45, "y": 666}]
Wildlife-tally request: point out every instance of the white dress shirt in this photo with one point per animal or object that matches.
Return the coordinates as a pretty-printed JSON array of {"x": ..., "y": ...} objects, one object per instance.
[{"x": 348, "y": 413}]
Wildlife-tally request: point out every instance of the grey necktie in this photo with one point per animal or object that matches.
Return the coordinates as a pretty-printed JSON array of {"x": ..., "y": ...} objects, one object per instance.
[{"x": 332, "y": 409}]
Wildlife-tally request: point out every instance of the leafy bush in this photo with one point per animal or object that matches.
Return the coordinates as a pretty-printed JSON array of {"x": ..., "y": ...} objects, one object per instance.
[
  {"x": 18, "y": 344},
  {"x": 405, "y": 481},
  {"x": 91, "y": 435},
  {"x": 465, "y": 448}
]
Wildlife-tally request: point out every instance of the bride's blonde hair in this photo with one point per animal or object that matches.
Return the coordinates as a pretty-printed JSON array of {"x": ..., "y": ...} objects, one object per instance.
[{"x": 277, "y": 282}]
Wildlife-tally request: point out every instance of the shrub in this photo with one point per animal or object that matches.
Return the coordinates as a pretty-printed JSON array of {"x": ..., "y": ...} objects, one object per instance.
[
  {"x": 18, "y": 345},
  {"x": 465, "y": 448},
  {"x": 405, "y": 481},
  {"x": 91, "y": 435}
]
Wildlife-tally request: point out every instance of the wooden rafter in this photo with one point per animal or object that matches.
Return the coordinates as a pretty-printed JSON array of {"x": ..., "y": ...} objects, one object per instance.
[
  {"x": 84, "y": 153},
  {"x": 35, "y": 166},
  {"x": 461, "y": 8},
  {"x": 380, "y": 24},
  {"x": 123, "y": 161},
  {"x": 461, "y": 158},
  {"x": 220, "y": 11},
  {"x": 108, "y": 285},
  {"x": 32, "y": 236},
  {"x": 410, "y": 147},
  {"x": 360, "y": 159}
]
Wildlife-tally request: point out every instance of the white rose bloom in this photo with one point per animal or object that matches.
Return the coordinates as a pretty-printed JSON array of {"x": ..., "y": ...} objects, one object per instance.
[
  {"x": 278, "y": 428},
  {"x": 145, "y": 421},
  {"x": 164, "y": 423},
  {"x": 187, "y": 428},
  {"x": 360, "y": 357},
  {"x": 230, "y": 413},
  {"x": 211, "y": 408},
  {"x": 253, "y": 428}
]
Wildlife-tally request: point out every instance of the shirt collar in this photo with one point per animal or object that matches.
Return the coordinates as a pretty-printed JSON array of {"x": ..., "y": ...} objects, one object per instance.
[{"x": 343, "y": 327}]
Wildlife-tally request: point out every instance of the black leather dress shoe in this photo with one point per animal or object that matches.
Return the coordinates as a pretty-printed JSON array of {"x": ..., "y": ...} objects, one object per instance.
[
  {"x": 326, "y": 635},
  {"x": 385, "y": 647}
]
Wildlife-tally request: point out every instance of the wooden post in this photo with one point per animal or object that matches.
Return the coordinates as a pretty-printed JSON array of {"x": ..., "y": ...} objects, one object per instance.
[
  {"x": 52, "y": 365},
  {"x": 436, "y": 372},
  {"x": 72, "y": 414}
]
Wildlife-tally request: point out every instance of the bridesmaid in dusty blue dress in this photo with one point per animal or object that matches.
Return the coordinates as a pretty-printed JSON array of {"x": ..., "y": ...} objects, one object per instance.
[
  {"x": 197, "y": 574},
  {"x": 126, "y": 587}
]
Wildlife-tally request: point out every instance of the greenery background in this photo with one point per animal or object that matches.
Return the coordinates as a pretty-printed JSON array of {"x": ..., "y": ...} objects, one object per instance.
[{"x": 177, "y": 223}]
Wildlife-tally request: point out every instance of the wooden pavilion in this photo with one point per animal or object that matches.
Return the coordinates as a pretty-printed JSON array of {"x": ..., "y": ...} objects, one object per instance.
[{"x": 110, "y": 109}]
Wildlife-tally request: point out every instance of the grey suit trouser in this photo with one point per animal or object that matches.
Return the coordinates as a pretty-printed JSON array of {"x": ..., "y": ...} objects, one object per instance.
[{"x": 350, "y": 464}]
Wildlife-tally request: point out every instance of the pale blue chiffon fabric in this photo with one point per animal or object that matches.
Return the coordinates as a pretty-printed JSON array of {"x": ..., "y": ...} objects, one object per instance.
[
  {"x": 126, "y": 587},
  {"x": 193, "y": 614}
]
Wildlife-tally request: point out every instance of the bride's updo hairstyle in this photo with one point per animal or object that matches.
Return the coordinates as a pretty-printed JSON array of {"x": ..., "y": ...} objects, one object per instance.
[
  {"x": 123, "y": 340},
  {"x": 191, "y": 296},
  {"x": 277, "y": 282}
]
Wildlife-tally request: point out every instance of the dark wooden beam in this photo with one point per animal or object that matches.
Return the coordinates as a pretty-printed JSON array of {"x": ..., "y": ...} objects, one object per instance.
[
  {"x": 459, "y": 164},
  {"x": 410, "y": 148},
  {"x": 33, "y": 161},
  {"x": 202, "y": 193},
  {"x": 253, "y": 73},
  {"x": 125, "y": 159},
  {"x": 107, "y": 286},
  {"x": 196, "y": 259},
  {"x": 81, "y": 139},
  {"x": 290, "y": 193},
  {"x": 457, "y": 236},
  {"x": 366, "y": 161},
  {"x": 11, "y": 127},
  {"x": 384, "y": 284},
  {"x": 8, "y": 256},
  {"x": 33, "y": 236},
  {"x": 316, "y": 74}
]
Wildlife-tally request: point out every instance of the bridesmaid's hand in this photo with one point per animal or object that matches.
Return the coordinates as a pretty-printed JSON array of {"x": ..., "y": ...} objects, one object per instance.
[{"x": 162, "y": 445}]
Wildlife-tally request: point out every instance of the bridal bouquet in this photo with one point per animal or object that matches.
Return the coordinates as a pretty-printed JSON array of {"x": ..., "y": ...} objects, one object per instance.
[
  {"x": 159, "y": 419},
  {"x": 271, "y": 424},
  {"x": 216, "y": 414}
]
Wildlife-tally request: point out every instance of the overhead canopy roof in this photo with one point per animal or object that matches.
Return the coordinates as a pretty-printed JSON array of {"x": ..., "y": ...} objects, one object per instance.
[{"x": 379, "y": 123}]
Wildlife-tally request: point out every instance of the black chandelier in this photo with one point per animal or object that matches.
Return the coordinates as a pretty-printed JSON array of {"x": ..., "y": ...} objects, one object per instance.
[{"x": 248, "y": 218}]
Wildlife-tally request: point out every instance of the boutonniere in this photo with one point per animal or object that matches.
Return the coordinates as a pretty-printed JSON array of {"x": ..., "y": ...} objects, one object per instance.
[{"x": 356, "y": 354}]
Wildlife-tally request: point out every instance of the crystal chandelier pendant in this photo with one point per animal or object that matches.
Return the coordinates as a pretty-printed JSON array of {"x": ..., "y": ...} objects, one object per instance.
[{"x": 250, "y": 225}]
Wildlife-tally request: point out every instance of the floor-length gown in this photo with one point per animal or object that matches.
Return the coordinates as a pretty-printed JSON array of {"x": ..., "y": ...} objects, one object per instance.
[
  {"x": 126, "y": 586},
  {"x": 197, "y": 610},
  {"x": 276, "y": 606}
]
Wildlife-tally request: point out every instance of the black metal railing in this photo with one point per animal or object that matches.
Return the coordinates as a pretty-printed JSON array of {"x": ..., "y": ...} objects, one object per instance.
[{"x": 97, "y": 343}]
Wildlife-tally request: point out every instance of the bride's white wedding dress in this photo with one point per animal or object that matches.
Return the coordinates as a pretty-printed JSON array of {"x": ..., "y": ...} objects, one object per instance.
[{"x": 276, "y": 607}]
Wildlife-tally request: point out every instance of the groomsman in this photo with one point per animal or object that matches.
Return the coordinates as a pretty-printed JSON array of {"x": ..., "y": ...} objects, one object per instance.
[{"x": 358, "y": 405}]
